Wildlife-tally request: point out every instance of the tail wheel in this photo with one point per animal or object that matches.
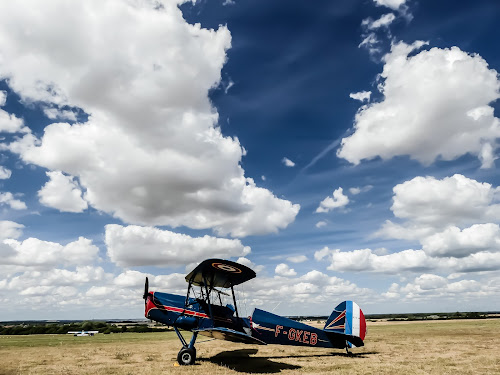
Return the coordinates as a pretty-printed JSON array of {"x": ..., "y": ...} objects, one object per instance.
[
  {"x": 347, "y": 346},
  {"x": 186, "y": 356}
]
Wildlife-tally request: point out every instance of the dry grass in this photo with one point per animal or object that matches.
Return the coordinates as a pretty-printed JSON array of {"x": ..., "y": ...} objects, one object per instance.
[{"x": 444, "y": 347}]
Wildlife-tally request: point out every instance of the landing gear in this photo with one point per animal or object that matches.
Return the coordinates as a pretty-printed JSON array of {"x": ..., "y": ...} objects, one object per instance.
[{"x": 187, "y": 355}]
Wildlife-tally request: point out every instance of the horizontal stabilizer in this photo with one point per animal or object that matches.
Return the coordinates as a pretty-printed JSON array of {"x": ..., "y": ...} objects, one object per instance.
[{"x": 342, "y": 337}]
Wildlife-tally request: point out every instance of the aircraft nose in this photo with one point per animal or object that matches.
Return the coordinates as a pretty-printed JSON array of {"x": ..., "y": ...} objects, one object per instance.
[{"x": 149, "y": 303}]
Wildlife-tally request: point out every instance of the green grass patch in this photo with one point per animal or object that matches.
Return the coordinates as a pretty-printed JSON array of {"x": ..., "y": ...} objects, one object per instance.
[{"x": 27, "y": 341}]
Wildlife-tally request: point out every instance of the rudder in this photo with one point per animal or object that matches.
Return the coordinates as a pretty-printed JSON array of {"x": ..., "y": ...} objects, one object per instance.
[{"x": 347, "y": 318}]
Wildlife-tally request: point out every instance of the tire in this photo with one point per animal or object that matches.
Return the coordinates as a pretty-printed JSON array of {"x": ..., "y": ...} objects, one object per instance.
[{"x": 186, "y": 357}]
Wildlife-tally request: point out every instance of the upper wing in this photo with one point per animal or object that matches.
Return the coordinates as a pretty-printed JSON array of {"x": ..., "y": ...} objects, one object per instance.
[{"x": 219, "y": 273}]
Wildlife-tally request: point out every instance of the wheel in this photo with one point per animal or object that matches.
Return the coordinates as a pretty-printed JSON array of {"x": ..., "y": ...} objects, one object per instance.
[{"x": 186, "y": 356}]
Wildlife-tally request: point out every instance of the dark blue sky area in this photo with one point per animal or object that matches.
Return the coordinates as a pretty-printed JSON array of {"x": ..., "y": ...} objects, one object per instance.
[{"x": 293, "y": 67}]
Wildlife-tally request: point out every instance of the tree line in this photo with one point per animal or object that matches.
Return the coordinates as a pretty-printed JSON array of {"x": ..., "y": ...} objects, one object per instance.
[{"x": 57, "y": 328}]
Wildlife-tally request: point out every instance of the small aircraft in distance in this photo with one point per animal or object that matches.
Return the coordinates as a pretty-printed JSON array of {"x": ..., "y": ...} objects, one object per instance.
[
  {"x": 83, "y": 333},
  {"x": 202, "y": 312}
]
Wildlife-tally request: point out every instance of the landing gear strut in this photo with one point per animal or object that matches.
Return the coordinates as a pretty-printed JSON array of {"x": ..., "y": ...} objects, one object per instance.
[{"x": 187, "y": 355}]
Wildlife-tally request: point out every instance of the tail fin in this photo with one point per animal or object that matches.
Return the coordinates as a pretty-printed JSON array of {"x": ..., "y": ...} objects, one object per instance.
[{"x": 347, "y": 318}]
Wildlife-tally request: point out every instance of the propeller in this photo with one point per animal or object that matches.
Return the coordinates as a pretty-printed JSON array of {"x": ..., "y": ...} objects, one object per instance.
[{"x": 146, "y": 290}]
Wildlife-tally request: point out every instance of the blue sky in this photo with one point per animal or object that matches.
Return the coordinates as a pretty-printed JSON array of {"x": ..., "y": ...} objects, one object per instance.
[{"x": 346, "y": 150}]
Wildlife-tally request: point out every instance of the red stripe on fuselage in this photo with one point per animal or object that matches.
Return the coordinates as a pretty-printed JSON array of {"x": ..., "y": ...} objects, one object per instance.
[{"x": 185, "y": 311}]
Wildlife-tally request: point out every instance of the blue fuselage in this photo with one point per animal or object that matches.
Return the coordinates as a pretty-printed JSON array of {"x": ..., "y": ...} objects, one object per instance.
[{"x": 198, "y": 315}]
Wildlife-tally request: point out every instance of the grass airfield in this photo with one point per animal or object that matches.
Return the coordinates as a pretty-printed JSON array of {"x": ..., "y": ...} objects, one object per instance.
[{"x": 431, "y": 347}]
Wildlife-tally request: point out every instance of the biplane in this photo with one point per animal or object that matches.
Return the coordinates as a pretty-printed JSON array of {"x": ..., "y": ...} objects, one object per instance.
[{"x": 203, "y": 312}]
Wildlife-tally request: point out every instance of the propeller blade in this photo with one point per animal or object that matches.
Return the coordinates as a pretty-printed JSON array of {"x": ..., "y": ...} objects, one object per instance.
[{"x": 146, "y": 289}]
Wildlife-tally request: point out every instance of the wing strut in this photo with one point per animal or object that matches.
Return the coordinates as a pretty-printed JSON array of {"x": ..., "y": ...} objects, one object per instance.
[
  {"x": 187, "y": 295},
  {"x": 208, "y": 299},
  {"x": 234, "y": 301}
]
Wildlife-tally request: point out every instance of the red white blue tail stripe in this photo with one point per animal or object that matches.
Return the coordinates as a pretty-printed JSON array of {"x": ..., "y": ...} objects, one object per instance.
[{"x": 347, "y": 318}]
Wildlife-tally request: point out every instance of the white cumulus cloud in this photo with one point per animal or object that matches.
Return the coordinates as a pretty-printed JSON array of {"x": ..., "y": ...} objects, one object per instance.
[
  {"x": 321, "y": 224},
  {"x": 5, "y": 173},
  {"x": 151, "y": 152},
  {"x": 455, "y": 219},
  {"x": 361, "y": 96},
  {"x": 357, "y": 190},
  {"x": 165, "y": 248},
  {"x": 393, "y": 4},
  {"x": 430, "y": 286},
  {"x": 337, "y": 201},
  {"x": 62, "y": 192},
  {"x": 57, "y": 277},
  {"x": 283, "y": 269},
  {"x": 287, "y": 162},
  {"x": 56, "y": 113},
  {"x": 460, "y": 243},
  {"x": 366, "y": 260},
  {"x": 9, "y": 123},
  {"x": 449, "y": 200},
  {"x": 10, "y": 229},
  {"x": 33, "y": 252},
  {"x": 7, "y": 198},
  {"x": 428, "y": 205},
  {"x": 371, "y": 43},
  {"x": 314, "y": 287},
  {"x": 436, "y": 106},
  {"x": 297, "y": 259},
  {"x": 384, "y": 21}
]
